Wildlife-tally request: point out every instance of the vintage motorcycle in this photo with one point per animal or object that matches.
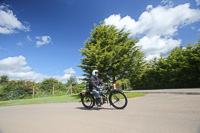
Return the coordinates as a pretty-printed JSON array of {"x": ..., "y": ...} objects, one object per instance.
[{"x": 115, "y": 96}]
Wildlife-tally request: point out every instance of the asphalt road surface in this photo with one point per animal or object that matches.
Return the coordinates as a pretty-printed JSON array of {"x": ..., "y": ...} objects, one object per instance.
[{"x": 153, "y": 113}]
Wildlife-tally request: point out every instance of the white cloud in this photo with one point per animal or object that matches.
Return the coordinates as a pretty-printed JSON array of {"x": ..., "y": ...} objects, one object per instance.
[
  {"x": 149, "y": 7},
  {"x": 19, "y": 43},
  {"x": 164, "y": 1},
  {"x": 67, "y": 74},
  {"x": 152, "y": 56},
  {"x": 12, "y": 63},
  {"x": 163, "y": 20},
  {"x": 29, "y": 38},
  {"x": 80, "y": 79},
  {"x": 9, "y": 22},
  {"x": 69, "y": 71},
  {"x": 168, "y": 3},
  {"x": 198, "y": 2},
  {"x": 43, "y": 40},
  {"x": 157, "y": 26},
  {"x": 119, "y": 22},
  {"x": 16, "y": 69},
  {"x": 160, "y": 45}
]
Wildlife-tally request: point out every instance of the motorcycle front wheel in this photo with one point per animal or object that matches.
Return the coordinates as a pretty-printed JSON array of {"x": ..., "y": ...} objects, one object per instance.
[
  {"x": 118, "y": 100},
  {"x": 88, "y": 101}
]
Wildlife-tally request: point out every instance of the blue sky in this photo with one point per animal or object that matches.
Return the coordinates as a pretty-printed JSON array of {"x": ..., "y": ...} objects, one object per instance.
[{"x": 41, "y": 38}]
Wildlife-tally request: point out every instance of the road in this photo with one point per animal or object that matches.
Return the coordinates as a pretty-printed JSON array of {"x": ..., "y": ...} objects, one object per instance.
[
  {"x": 153, "y": 113},
  {"x": 190, "y": 91}
]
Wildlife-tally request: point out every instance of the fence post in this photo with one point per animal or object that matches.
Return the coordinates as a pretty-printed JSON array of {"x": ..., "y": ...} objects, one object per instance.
[
  {"x": 71, "y": 88},
  {"x": 33, "y": 91},
  {"x": 53, "y": 89}
]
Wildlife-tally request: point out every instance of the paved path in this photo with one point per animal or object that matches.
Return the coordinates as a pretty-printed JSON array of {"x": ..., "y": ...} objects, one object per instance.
[
  {"x": 153, "y": 113},
  {"x": 191, "y": 91}
]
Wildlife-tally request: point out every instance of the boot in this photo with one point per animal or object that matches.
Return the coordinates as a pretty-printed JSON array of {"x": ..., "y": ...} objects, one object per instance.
[
  {"x": 104, "y": 99},
  {"x": 98, "y": 102}
]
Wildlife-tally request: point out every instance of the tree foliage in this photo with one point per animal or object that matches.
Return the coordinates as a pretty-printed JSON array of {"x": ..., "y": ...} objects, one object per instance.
[
  {"x": 47, "y": 85},
  {"x": 4, "y": 79},
  {"x": 112, "y": 52},
  {"x": 72, "y": 80},
  {"x": 179, "y": 69},
  {"x": 16, "y": 90}
]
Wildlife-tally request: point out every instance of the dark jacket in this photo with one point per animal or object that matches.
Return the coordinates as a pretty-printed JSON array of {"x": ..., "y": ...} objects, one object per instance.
[{"x": 94, "y": 82}]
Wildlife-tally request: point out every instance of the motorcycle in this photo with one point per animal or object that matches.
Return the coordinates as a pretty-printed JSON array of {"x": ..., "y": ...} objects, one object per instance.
[{"x": 111, "y": 94}]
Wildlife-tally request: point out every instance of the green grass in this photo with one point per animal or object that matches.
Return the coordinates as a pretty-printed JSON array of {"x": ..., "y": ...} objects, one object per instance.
[
  {"x": 133, "y": 94},
  {"x": 56, "y": 99},
  {"x": 128, "y": 95}
]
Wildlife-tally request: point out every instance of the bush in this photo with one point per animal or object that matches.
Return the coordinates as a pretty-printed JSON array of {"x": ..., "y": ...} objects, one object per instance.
[
  {"x": 16, "y": 90},
  {"x": 79, "y": 87},
  {"x": 47, "y": 85},
  {"x": 59, "y": 93}
]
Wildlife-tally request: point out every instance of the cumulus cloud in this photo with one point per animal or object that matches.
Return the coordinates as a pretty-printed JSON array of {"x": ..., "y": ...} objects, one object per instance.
[
  {"x": 67, "y": 74},
  {"x": 149, "y": 7},
  {"x": 166, "y": 21},
  {"x": 9, "y": 22},
  {"x": 126, "y": 22},
  {"x": 157, "y": 26},
  {"x": 43, "y": 40},
  {"x": 16, "y": 69},
  {"x": 160, "y": 45},
  {"x": 69, "y": 71}
]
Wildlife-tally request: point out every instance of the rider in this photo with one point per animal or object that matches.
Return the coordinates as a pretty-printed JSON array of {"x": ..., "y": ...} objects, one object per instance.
[{"x": 94, "y": 83}]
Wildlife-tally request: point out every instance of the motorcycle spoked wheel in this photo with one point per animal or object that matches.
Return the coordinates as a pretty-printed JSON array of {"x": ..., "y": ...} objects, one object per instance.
[
  {"x": 88, "y": 101},
  {"x": 118, "y": 100}
]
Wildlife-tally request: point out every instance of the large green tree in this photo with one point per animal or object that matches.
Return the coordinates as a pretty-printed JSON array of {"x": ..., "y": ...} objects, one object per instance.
[{"x": 113, "y": 52}]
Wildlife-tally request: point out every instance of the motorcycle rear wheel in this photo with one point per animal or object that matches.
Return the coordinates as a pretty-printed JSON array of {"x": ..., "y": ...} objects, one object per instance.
[{"x": 88, "y": 101}]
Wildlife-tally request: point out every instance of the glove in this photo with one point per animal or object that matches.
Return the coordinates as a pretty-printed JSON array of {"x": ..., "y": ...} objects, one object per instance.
[{"x": 99, "y": 87}]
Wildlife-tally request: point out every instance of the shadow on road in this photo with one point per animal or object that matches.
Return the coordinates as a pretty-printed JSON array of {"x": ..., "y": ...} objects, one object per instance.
[{"x": 95, "y": 108}]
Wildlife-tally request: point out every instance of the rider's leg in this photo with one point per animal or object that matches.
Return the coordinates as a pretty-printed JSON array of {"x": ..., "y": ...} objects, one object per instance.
[{"x": 96, "y": 93}]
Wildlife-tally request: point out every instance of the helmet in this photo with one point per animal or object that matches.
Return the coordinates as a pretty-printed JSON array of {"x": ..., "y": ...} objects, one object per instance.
[{"x": 94, "y": 71}]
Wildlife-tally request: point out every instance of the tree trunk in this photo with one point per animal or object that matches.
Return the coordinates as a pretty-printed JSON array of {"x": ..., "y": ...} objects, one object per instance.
[{"x": 71, "y": 88}]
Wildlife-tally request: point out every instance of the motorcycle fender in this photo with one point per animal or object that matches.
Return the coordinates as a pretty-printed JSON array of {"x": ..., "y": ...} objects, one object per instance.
[{"x": 82, "y": 94}]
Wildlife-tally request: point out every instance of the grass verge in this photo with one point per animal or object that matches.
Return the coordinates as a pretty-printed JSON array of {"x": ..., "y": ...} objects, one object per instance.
[
  {"x": 56, "y": 99},
  {"x": 134, "y": 94}
]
